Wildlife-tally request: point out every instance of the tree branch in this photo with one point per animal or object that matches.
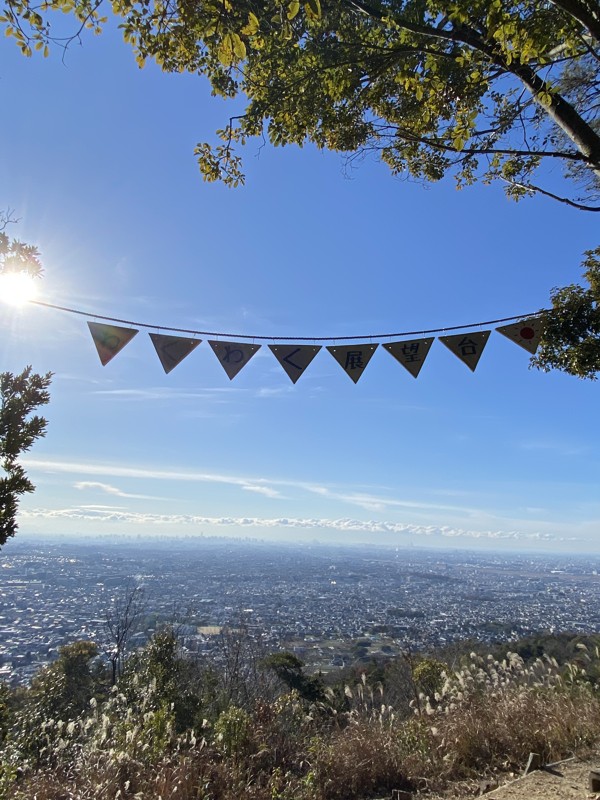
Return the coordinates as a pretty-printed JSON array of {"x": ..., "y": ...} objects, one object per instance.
[
  {"x": 482, "y": 151},
  {"x": 6, "y": 218},
  {"x": 582, "y": 13},
  {"x": 530, "y": 187}
]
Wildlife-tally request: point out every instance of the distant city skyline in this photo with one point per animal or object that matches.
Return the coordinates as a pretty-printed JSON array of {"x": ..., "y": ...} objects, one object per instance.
[
  {"x": 343, "y": 532},
  {"x": 97, "y": 161}
]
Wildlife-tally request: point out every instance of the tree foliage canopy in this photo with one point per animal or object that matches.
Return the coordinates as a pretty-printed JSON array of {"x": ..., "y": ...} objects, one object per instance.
[
  {"x": 289, "y": 669},
  {"x": 476, "y": 88},
  {"x": 571, "y": 340},
  {"x": 16, "y": 256},
  {"x": 20, "y": 395}
]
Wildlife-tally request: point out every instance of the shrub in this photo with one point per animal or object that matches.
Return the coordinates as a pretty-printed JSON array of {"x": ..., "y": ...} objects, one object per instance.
[{"x": 488, "y": 715}]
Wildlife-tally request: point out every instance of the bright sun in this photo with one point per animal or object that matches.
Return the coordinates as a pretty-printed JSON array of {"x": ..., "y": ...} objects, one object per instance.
[{"x": 17, "y": 288}]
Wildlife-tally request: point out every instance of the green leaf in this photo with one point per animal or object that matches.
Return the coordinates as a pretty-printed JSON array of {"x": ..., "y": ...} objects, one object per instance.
[{"x": 293, "y": 9}]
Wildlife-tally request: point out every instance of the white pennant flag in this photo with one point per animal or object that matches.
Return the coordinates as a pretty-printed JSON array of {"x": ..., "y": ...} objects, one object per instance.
[
  {"x": 410, "y": 354},
  {"x": 467, "y": 346},
  {"x": 233, "y": 356},
  {"x": 353, "y": 358},
  {"x": 294, "y": 358},
  {"x": 110, "y": 339},
  {"x": 171, "y": 350},
  {"x": 526, "y": 333}
]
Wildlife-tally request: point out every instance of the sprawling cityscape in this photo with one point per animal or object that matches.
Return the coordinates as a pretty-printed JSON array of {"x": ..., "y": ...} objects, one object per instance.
[{"x": 328, "y": 604}]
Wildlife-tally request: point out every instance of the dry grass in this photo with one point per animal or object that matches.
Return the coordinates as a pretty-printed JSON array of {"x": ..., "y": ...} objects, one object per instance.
[
  {"x": 490, "y": 715},
  {"x": 363, "y": 759},
  {"x": 487, "y": 717}
]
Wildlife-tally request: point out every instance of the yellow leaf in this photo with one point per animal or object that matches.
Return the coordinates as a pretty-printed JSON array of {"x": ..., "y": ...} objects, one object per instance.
[
  {"x": 229, "y": 49},
  {"x": 239, "y": 48},
  {"x": 313, "y": 9},
  {"x": 252, "y": 25},
  {"x": 293, "y": 9},
  {"x": 225, "y": 56}
]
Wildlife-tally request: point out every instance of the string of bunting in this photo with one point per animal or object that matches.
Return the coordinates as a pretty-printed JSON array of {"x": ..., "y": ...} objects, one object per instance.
[{"x": 233, "y": 353}]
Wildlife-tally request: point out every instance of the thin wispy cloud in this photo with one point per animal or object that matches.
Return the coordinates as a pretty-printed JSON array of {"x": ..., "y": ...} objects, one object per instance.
[
  {"x": 567, "y": 449},
  {"x": 168, "y": 393},
  {"x": 65, "y": 376},
  {"x": 267, "y": 491},
  {"x": 367, "y": 501},
  {"x": 268, "y": 486},
  {"x": 376, "y": 503},
  {"x": 144, "y": 473},
  {"x": 102, "y": 507},
  {"x": 260, "y": 485},
  {"x": 106, "y": 487},
  {"x": 276, "y": 391}
]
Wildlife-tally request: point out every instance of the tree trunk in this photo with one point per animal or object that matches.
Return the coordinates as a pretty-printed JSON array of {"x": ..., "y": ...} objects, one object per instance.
[
  {"x": 583, "y": 136},
  {"x": 583, "y": 13}
]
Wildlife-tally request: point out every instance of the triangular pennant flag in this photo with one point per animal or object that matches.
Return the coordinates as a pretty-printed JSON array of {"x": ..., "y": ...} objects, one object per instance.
[
  {"x": 171, "y": 350},
  {"x": 233, "y": 355},
  {"x": 294, "y": 358},
  {"x": 526, "y": 332},
  {"x": 410, "y": 354},
  {"x": 110, "y": 339},
  {"x": 353, "y": 358},
  {"x": 467, "y": 346}
]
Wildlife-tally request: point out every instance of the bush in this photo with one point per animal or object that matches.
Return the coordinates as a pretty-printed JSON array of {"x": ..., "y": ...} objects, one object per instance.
[{"x": 487, "y": 716}]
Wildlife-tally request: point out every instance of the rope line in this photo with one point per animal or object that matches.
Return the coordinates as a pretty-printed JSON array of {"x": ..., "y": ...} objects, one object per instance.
[{"x": 220, "y": 335}]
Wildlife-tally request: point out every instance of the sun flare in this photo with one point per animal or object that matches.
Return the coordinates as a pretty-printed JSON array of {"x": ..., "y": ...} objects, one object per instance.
[{"x": 17, "y": 288}]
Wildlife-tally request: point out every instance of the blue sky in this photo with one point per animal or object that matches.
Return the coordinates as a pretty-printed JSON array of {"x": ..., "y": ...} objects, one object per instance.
[{"x": 97, "y": 161}]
